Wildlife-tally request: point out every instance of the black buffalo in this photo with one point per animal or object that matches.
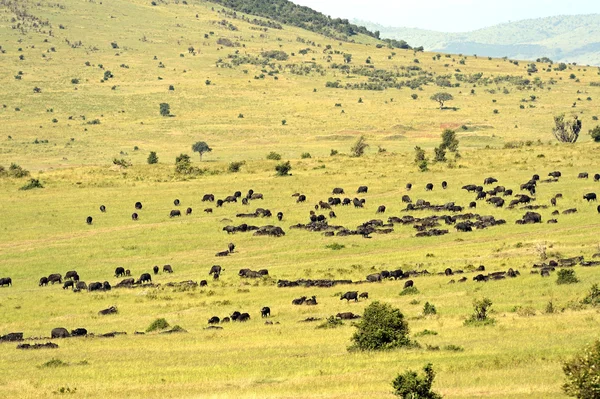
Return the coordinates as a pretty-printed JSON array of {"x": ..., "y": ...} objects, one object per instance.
[
  {"x": 5, "y": 281},
  {"x": 338, "y": 190},
  {"x": 106, "y": 286},
  {"x": 203, "y": 283},
  {"x": 155, "y": 269},
  {"x": 265, "y": 311},
  {"x": 55, "y": 278},
  {"x": 408, "y": 186},
  {"x": 68, "y": 284},
  {"x": 429, "y": 187},
  {"x": 332, "y": 214},
  {"x": 406, "y": 199},
  {"x": 145, "y": 277},
  {"x": 188, "y": 211},
  {"x": 231, "y": 247},
  {"x": 473, "y": 205},
  {"x": 381, "y": 209},
  {"x": 350, "y": 295},
  {"x": 362, "y": 189},
  {"x": 167, "y": 269},
  {"x": 490, "y": 180},
  {"x": 175, "y": 212},
  {"x": 299, "y": 301},
  {"x": 279, "y": 216},
  {"x": 127, "y": 283},
  {"x": 134, "y": 216},
  {"x": 59, "y": 333},
  {"x": 590, "y": 197},
  {"x": 89, "y": 220},
  {"x": 582, "y": 175},
  {"x": 556, "y": 174},
  {"x": 102, "y": 208},
  {"x": 444, "y": 185},
  {"x": 138, "y": 205},
  {"x": 219, "y": 203},
  {"x": 79, "y": 332},
  {"x": 301, "y": 198},
  {"x": 176, "y": 202},
  {"x": 409, "y": 284},
  {"x": 214, "y": 320},
  {"x": 208, "y": 197},
  {"x": 597, "y": 177},
  {"x": 97, "y": 286},
  {"x": 216, "y": 270},
  {"x": 80, "y": 286},
  {"x": 374, "y": 277},
  {"x": 396, "y": 274},
  {"x": 70, "y": 274},
  {"x": 107, "y": 311},
  {"x": 119, "y": 272},
  {"x": 364, "y": 295}
]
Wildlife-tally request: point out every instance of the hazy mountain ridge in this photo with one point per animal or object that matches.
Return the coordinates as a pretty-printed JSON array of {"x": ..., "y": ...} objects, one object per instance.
[{"x": 567, "y": 38}]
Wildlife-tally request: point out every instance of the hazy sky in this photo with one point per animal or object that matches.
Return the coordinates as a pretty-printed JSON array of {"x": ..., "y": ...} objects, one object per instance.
[{"x": 449, "y": 15}]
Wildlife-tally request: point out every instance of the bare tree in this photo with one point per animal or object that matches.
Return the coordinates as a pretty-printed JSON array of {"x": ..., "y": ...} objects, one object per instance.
[{"x": 566, "y": 131}]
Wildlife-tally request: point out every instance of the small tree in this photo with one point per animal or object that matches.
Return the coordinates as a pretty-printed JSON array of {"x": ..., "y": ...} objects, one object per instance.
[
  {"x": 183, "y": 164},
  {"x": 480, "y": 314},
  {"x": 441, "y": 98},
  {"x": 593, "y": 297},
  {"x": 566, "y": 131},
  {"x": 583, "y": 373},
  {"x": 449, "y": 140},
  {"x": 273, "y": 156},
  {"x": 412, "y": 386},
  {"x": 152, "y": 158},
  {"x": 420, "y": 159},
  {"x": 283, "y": 169},
  {"x": 566, "y": 276},
  {"x": 429, "y": 309},
  {"x": 440, "y": 154},
  {"x": 381, "y": 327},
  {"x": 201, "y": 147},
  {"x": 235, "y": 166},
  {"x": 595, "y": 133},
  {"x": 359, "y": 147},
  {"x": 165, "y": 109}
]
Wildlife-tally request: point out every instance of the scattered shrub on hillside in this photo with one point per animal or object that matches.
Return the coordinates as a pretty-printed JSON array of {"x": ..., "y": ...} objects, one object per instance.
[
  {"x": 108, "y": 75},
  {"x": 449, "y": 140},
  {"x": 595, "y": 133},
  {"x": 429, "y": 309},
  {"x": 165, "y": 109},
  {"x": 183, "y": 164},
  {"x": 331, "y": 322},
  {"x": 158, "y": 324},
  {"x": 121, "y": 162},
  {"x": 283, "y": 169},
  {"x": 583, "y": 373},
  {"x": 235, "y": 166},
  {"x": 283, "y": 122},
  {"x": 333, "y": 152},
  {"x": 359, "y": 147},
  {"x": 201, "y": 147},
  {"x": 17, "y": 171},
  {"x": 593, "y": 297},
  {"x": 75, "y": 81},
  {"x": 33, "y": 183},
  {"x": 409, "y": 291},
  {"x": 305, "y": 155},
  {"x": 425, "y": 332},
  {"x": 550, "y": 308},
  {"x": 420, "y": 159},
  {"x": 152, "y": 158},
  {"x": 439, "y": 154},
  {"x": 566, "y": 276},
  {"x": 566, "y": 131},
  {"x": 54, "y": 363},
  {"x": 454, "y": 348},
  {"x": 496, "y": 111},
  {"x": 480, "y": 315},
  {"x": 414, "y": 96},
  {"x": 273, "y": 156},
  {"x": 410, "y": 385},
  {"x": 381, "y": 327},
  {"x": 335, "y": 246}
]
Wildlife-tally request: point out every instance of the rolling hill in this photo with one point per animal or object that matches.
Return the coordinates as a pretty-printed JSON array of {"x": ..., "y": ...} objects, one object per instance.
[{"x": 566, "y": 38}]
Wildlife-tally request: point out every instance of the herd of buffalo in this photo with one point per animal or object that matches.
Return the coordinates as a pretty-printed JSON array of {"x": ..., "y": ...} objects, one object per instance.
[{"x": 455, "y": 216}]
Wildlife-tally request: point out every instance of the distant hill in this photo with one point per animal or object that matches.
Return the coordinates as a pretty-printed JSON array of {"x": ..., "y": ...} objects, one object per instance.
[{"x": 566, "y": 38}]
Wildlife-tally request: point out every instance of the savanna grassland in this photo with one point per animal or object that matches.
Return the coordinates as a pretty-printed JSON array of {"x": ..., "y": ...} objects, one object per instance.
[{"x": 69, "y": 131}]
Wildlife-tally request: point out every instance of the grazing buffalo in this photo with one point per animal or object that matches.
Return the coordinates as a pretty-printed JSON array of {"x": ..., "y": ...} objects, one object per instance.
[
  {"x": 338, "y": 190},
  {"x": 582, "y": 175},
  {"x": 208, "y": 210},
  {"x": 553, "y": 201},
  {"x": 408, "y": 186},
  {"x": 102, "y": 208},
  {"x": 598, "y": 209},
  {"x": 463, "y": 226},
  {"x": 225, "y": 320},
  {"x": 396, "y": 274},
  {"x": 243, "y": 317},
  {"x": 358, "y": 203},
  {"x": 429, "y": 187},
  {"x": 480, "y": 277},
  {"x": 107, "y": 311},
  {"x": 473, "y": 205},
  {"x": 222, "y": 253},
  {"x": 590, "y": 197},
  {"x": 155, "y": 269},
  {"x": 106, "y": 286},
  {"x": 175, "y": 212},
  {"x": 119, "y": 272},
  {"x": 188, "y": 211},
  {"x": 216, "y": 269},
  {"x": 311, "y": 301},
  {"x": 5, "y": 281},
  {"x": 97, "y": 286},
  {"x": 406, "y": 199},
  {"x": 381, "y": 209},
  {"x": 230, "y": 198},
  {"x": 470, "y": 187},
  {"x": 176, "y": 202},
  {"x": 409, "y": 284},
  {"x": 448, "y": 272},
  {"x": 79, "y": 332},
  {"x": 134, "y": 216},
  {"x": 556, "y": 174},
  {"x": 299, "y": 301},
  {"x": 490, "y": 180},
  {"x": 145, "y": 277},
  {"x": 374, "y": 277},
  {"x": 256, "y": 196},
  {"x": 55, "y": 278},
  {"x": 203, "y": 283},
  {"x": 214, "y": 320},
  {"x": 237, "y": 194},
  {"x": 208, "y": 197},
  {"x": 362, "y": 189},
  {"x": 444, "y": 185},
  {"x": 279, "y": 216},
  {"x": 59, "y": 333},
  {"x": 597, "y": 177},
  {"x": 167, "y": 269},
  {"x": 265, "y": 311},
  {"x": 346, "y": 316},
  {"x": 68, "y": 284},
  {"x": 81, "y": 286},
  {"x": 219, "y": 203},
  {"x": 89, "y": 220},
  {"x": 138, "y": 205},
  {"x": 70, "y": 274},
  {"x": 364, "y": 295},
  {"x": 350, "y": 295},
  {"x": 301, "y": 198}
]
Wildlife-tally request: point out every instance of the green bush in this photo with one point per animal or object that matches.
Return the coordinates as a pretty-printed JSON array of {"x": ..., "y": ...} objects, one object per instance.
[
  {"x": 439, "y": 154},
  {"x": 235, "y": 166},
  {"x": 583, "y": 373},
  {"x": 410, "y": 385},
  {"x": 331, "y": 322},
  {"x": 566, "y": 276},
  {"x": 183, "y": 164},
  {"x": 414, "y": 96},
  {"x": 283, "y": 169},
  {"x": 152, "y": 158},
  {"x": 429, "y": 309},
  {"x": 409, "y": 291},
  {"x": 158, "y": 324},
  {"x": 381, "y": 327},
  {"x": 480, "y": 314},
  {"x": 15, "y": 170},
  {"x": 335, "y": 246},
  {"x": 425, "y": 332},
  {"x": 449, "y": 140},
  {"x": 305, "y": 155},
  {"x": 359, "y": 147},
  {"x": 165, "y": 109},
  {"x": 333, "y": 153},
  {"x": 593, "y": 297},
  {"x": 595, "y": 133},
  {"x": 121, "y": 162},
  {"x": 273, "y": 156},
  {"x": 33, "y": 183}
]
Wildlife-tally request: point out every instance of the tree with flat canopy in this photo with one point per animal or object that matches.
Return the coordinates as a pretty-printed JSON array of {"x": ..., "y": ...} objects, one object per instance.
[
  {"x": 201, "y": 147},
  {"x": 441, "y": 98}
]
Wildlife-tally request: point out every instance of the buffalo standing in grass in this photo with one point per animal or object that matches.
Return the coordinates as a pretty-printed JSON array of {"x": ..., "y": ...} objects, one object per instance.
[
  {"x": 55, "y": 278},
  {"x": 59, "y": 333},
  {"x": 134, "y": 216},
  {"x": 102, "y": 208},
  {"x": 362, "y": 189},
  {"x": 167, "y": 269},
  {"x": 350, "y": 295},
  {"x": 138, "y": 205},
  {"x": 590, "y": 197},
  {"x": 119, "y": 272},
  {"x": 155, "y": 269},
  {"x": 265, "y": 311},
  {"x": 144, "y": 278},
  {"x": 175, "y": 212},
  {"x": 5, "y": 281},
  {"x": 89, "y": 220}
]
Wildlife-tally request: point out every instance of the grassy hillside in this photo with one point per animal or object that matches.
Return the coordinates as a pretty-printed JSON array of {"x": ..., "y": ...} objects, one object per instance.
[
  {"x": 565, "y": 38},
  {"x": 233, "y": 87}
]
